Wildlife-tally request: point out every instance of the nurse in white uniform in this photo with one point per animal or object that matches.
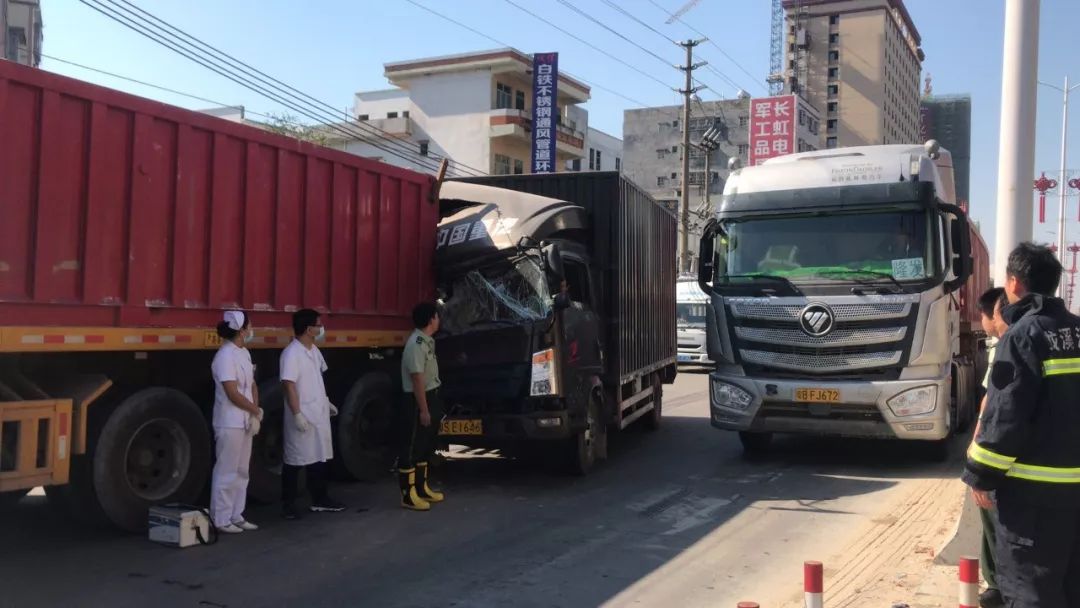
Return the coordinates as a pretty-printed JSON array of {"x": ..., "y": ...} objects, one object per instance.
[
  {"x": 308, "y": 440},
  {"x": 236, "y": 420}
]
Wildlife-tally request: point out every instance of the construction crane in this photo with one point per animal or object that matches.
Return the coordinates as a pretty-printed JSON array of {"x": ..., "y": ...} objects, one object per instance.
[
  {"x": 776, "y": 50},
  {"x": 682, "y": 11}
]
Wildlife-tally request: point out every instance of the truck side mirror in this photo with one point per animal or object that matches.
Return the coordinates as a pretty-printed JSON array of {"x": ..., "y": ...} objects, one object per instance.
[
  {"x": 960, "y": 252},
  {"x": 706, "y": 250}
]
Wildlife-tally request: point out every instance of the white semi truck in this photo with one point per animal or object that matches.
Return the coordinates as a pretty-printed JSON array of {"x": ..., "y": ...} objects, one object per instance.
[{"x": 842, "y": 288}]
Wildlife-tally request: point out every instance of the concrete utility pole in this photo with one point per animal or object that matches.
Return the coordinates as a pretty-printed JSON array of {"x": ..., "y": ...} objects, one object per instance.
[
  {"x": 1016, "y": 147},
  {"x": 685, "y": 256}
]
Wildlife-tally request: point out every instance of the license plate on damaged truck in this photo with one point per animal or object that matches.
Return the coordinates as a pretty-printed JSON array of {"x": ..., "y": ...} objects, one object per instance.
[
  {"x": 817, "y": 395},
  {"x": 461, "y": 427}
]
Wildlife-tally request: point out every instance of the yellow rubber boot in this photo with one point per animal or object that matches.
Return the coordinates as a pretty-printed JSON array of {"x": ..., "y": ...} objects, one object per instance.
[
  {"x": 422, "y": 487},
  {"x": 410, "y": 499}
]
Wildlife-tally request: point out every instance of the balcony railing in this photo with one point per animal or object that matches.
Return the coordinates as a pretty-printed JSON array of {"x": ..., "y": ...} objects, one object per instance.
[{"x": 523, "y": 119}]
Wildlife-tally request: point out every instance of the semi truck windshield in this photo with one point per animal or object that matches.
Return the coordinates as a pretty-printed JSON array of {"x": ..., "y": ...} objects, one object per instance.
[
  {"x": 830, "y": 247},
  {"x": 504, "y": 293}
]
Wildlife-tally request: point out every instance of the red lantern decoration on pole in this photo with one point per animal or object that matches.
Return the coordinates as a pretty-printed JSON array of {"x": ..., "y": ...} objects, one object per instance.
[
  {"x": 1043, "y": 184},
  {"x": 1075, "y": 183}
]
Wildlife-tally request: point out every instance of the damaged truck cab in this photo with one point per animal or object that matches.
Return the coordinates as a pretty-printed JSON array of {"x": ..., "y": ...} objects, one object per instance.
[{"x": 530, "y": 347}]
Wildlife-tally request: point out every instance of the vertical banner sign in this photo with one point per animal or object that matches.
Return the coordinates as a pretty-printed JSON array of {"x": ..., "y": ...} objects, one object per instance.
[
  {"x": 545, "y": 111},
  {"x": 772, "y": 127}
]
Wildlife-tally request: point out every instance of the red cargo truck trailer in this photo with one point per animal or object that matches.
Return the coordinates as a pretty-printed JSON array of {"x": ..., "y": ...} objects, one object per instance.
[{"x": 126, "y": 227}]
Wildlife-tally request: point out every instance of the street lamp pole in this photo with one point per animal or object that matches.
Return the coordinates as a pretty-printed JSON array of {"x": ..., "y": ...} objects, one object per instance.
[{"x": 1063, "y": 179}]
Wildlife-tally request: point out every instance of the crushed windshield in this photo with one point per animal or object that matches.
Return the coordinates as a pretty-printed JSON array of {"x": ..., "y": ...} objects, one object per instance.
[
  {"x": 867, "y": 246},
  {"x": 502, "y": 293}
]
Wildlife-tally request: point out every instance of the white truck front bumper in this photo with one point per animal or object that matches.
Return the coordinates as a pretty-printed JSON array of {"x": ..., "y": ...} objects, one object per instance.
[{"x": 858, "y": 408}]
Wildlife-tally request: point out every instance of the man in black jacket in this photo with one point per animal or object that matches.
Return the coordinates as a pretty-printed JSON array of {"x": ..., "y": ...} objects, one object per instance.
[{"x": 1025, "y": 460}]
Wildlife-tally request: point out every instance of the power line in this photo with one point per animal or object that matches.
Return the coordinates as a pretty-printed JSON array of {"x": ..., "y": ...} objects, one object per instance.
[
  {"x": 652, "y": 29},
  {"x": 590, "y": 45},
  {"x": 718, "y": 47},
  {"x": 504, "y": 44},
  {"x": 284, "y": 88},
  {"x": 154, "y": 86},
  {"x": 577, "y": 10},
  {"x": 244, "y": 77}
]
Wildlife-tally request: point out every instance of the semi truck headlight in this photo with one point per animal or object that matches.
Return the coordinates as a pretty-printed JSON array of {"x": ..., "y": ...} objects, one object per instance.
[
  {"x": 914, "y": 401},
  {"x": 731, "y": 396}
]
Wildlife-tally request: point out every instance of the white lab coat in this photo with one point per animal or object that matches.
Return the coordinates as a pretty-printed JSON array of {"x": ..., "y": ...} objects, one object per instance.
[{"x": 305, "y": 368}]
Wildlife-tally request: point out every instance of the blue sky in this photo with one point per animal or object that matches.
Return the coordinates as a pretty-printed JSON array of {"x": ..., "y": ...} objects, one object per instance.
[{"x": 332, "y": 48}]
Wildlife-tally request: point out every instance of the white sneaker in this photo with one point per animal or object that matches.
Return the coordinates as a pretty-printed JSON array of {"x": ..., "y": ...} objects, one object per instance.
[
  {"x": 230, "y": 529},
  {"x": 245, "y": 525}
]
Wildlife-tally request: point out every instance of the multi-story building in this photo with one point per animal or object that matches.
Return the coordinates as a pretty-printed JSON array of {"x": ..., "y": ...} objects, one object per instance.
[
  {"x": 21, "y": 32},
  {"x": 652, "y": 141},
  {"x": 475, "y": 108},
  {"x": 947, "y": 118},
  {"x": 859, "y": 63}
]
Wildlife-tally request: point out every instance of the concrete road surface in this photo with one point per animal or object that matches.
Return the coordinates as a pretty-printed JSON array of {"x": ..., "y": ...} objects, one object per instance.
[{"x": 674, "y": 518}]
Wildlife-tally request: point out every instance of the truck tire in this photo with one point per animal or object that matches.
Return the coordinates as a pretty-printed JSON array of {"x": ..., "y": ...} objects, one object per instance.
[
  {"x": 755, "y": 444},
  {"x": 153, "y": 449},
  {"x": 652, "y": 421},
  {"x": 581, "y": 449},
  {"x": 268, "y": 447},
  {"x": 365, "y": 429},
  {"x": 965, "y": 410}
]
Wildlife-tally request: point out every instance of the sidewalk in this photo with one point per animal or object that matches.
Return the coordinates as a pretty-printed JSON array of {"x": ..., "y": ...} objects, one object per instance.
[{"x": 892, "y": 563}]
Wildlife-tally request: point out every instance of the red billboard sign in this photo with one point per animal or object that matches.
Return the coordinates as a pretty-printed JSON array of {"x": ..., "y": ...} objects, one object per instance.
[{"x": 772, "y": 127}]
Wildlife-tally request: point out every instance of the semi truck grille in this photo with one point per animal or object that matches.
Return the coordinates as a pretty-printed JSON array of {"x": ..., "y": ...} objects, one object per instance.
[
  {"x": 866, "y": 336},
  {"x": 844, "y": 312},
  {"x": 841, "y": 337},
  {"x": 821, "y": 363}
]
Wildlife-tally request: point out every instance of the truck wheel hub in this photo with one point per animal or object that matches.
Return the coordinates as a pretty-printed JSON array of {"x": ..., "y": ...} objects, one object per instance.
[{"x": 158, "y": 455}]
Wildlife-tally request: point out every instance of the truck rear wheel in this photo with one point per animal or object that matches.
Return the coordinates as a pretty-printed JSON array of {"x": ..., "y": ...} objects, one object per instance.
[
  {"x": 268, "y": 447},
  {"x": 155, "y": 448},
  {"x": 365, "y": 436},
  {"x": 652, "y": 421}
]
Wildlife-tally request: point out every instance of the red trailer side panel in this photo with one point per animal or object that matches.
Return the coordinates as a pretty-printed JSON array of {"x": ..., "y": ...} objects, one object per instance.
[
  {"x": 977, "y": 284},
  {"x": 119, "y": 211}
]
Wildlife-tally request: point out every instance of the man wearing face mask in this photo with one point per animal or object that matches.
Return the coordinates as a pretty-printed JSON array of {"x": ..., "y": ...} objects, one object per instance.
[{"x": 308, "y": 442}]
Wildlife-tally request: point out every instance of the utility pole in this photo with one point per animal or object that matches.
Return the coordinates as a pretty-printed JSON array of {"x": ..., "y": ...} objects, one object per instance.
[
  {"x": 685, "y": 256},
  {"x": 1066, "y": 90},
  {"x": 1016, "y": 148}
]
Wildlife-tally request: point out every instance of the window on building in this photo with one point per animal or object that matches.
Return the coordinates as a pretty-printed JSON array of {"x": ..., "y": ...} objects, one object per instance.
[
  {"x": 834, "y": 19},
  {"x": 423, "y": 148},
  {"x": 834, "y": 90},
  {"x": 504, "y": 96},
  {"x": 502, "y": 164},
  {"x": 405, "y": 114},
  {"x": 662, "y": 154},
  {"x": 834, "y": 56},
  {"x": 599, "y": 166},
  {"x": 830, "y": 126},
  {"x": 834, "y": 73},
  {"x": 519, "y": 100},
  {"x": 744, "y": 149},
  {"x": 618, "y": 164},
  {"x": 744, "y": 121},
  {"x": 16, "y": 37},
  {"x": 674, "y": 176},
  {"x": 363, "y": 117},
  {"x": 833, "y": 106},
  {"x": 592, "y": 159},
  {"x": 674, "y": 149},
  {"x": 830, "y": 142},
  {"x": 674, "y": 124},
  {"x": 661, "y": 182},
  {"x": 834, "y": 38},
  {"x": 519, "y": 167},
  {"x": 391, "y": 114}
]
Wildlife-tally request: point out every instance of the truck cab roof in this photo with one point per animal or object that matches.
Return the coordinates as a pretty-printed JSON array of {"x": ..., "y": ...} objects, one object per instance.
[{"x": 867, "y": 166}]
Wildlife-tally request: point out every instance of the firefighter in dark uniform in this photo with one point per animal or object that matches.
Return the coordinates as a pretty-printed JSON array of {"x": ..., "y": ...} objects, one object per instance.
[
  {"x": 423, "y": 410},
  {"x": 1025, "y": 460}
]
